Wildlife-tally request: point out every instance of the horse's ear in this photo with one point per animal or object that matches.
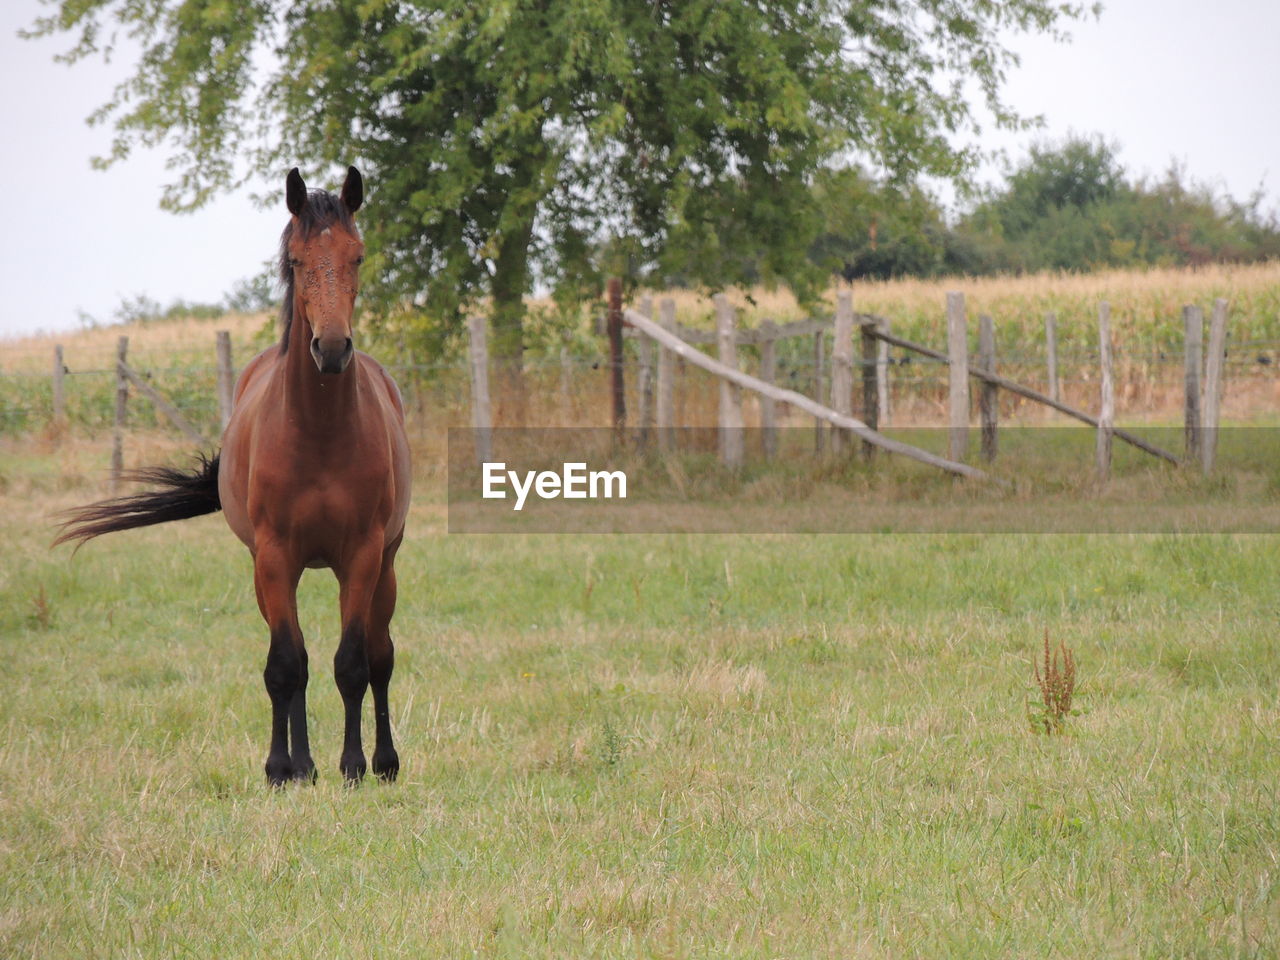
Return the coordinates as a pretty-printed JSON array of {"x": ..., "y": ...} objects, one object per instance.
[
  {"x": 295, "y": 192},
  {"x": 353, "y": 190}
]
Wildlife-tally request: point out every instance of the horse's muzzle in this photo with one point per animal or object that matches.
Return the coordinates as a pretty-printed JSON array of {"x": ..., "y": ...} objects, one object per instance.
[{"x": 332, "y": 357}]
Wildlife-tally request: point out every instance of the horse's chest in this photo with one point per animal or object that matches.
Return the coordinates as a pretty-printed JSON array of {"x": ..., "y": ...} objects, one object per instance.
[
  {"x": 325, "y": 523},
  {"x": 319, "y": 511},
  {"x": 335, "y": 507},
  {"x": 322, "y": 493}
]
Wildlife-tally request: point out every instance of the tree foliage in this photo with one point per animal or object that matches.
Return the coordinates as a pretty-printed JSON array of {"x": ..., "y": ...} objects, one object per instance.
[
  {"x": 878, "y": 229},
  {"x": 514, "y": 141}
]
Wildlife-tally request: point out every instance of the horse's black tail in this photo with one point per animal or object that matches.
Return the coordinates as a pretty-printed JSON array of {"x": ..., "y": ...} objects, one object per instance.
[{"x": 180, "y": 495}]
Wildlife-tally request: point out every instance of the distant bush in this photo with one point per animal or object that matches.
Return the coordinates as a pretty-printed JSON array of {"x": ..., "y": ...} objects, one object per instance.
[
  {"x": 1070, "y": 207},
  {"x": 142, "y": 309},
  {"x": 1067, "y": 207},
  {"x": 253, "y": 294}
]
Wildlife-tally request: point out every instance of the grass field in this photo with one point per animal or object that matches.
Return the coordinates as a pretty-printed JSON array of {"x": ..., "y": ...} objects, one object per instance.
[{"x": 644, "y": 746}]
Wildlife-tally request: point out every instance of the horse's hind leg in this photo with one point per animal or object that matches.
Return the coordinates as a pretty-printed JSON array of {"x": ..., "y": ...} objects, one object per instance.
[
  {"x": 276, "y": 581},
  {"x": 382, "y": 661}
]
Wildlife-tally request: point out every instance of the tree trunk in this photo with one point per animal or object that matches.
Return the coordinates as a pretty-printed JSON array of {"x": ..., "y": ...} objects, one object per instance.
[
  {"x": 510, "y": 283},
  {"x": 510, "y": 278}
]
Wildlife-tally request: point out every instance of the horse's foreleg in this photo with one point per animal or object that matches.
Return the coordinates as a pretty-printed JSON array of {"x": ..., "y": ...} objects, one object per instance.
[
  {"x": 304, "y": 768},
  {"x": 276, "y": 581},
  {"x": 359, "y": 580},
  {"x": 382, "y": 661}
]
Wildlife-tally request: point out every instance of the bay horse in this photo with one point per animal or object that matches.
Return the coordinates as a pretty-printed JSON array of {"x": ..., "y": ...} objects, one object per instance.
[{"x": 313, "y": 472}]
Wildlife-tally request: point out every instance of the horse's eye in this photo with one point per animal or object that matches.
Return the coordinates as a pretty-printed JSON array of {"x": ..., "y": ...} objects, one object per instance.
[
  {"x": 360, "y": 259},
  {"x": 295, "y": 262}
]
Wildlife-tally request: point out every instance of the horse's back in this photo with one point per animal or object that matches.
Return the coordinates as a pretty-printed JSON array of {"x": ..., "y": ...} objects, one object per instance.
[
  {"x": 253, "y": 373},
  {"x": 236, "y": 453}
]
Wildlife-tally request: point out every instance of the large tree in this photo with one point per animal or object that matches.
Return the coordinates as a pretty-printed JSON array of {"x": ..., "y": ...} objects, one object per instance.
[{"x": 510, "y": 140}]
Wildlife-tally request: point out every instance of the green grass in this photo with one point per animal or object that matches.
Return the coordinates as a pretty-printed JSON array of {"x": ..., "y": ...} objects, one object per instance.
[{"x": 647, "y": 746}]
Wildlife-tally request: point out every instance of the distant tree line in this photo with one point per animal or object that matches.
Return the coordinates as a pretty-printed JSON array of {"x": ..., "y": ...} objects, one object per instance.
[{"x": 1068, "y": 206}]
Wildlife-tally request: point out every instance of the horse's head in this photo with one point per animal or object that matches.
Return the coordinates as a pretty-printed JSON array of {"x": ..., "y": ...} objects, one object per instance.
[{"x": 321, "y": 254}]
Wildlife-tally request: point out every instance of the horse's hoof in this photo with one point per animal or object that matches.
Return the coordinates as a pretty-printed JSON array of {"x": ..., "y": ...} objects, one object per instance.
[
  {"x": 352, "y": 768},
  {"x": 304, "y": 771},
  {"x": 279, "y": 771},
  {"x": 386, "y": 766}
]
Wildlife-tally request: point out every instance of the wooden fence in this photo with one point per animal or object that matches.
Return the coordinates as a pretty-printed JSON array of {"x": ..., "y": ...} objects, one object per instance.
[
  {"x": 125, "y": 377},
  {"x": 661, "y": 343},
  {"x": 674, "y": 341}
]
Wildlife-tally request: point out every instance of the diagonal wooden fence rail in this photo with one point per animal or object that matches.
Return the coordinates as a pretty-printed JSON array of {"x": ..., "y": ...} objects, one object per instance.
[
  {"x": 126, "y": 375},
  {"x": 730, "y": 374},
  {"x": 1003, "y": 383}
]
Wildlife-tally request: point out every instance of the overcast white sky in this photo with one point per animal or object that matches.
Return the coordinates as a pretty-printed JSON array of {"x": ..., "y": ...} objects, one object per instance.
[{"x": 1165, "y": 78}]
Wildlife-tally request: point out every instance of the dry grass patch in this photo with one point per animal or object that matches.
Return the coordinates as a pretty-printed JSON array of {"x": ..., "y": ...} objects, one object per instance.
[{"x": 158, "y": 340}]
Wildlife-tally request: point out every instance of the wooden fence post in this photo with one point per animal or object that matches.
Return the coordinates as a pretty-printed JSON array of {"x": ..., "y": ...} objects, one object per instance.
[
  {"x": 1051, "y": 349},
  {"x": 870, "y": 385},
  {"x": 958, "y": 356},
  {"x": 566, "y": 380},
  {"x": 59, "y": 389},
  {"x": 988, "y": 395},
  {"x": 1193, "y": 324},
  {"x": 1213, "y": 384},
  {"x": 842, "y": 365},
  {"x": 644, "y": 376},
  {"x": 226, "y": 377},
  {"x": 680, "y": 389},
  {"x": 481, "y": 416},
  {"x": 819, "y": 425},
  {"x": 617, "y": 385},
  {"x": 730, "y": 393},
  {"x": 122, "y": 401},
  {"x": 1107, "y": 410},
  {"x": 768, "y": 373},
  {"x": 882, "y": 374},
  {"x": 666, "y": 378}
]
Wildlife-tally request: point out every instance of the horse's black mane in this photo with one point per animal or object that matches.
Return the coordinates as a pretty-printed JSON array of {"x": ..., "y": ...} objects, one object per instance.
[{"x": 322, "y": 209}]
